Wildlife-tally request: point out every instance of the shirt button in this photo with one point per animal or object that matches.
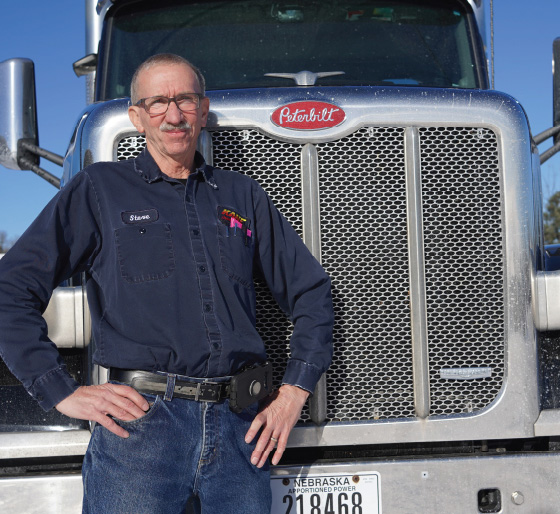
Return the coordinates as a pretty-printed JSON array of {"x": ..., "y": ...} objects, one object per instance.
[
  {"x": 142, "y": 231},
  {"x": 202, "y": 269},
  {"x": 207, "y": 307},
  {"x": 188, "y": 199},
  {"x": 216, "y": 345},
  {"x": 195, "y": 232}
]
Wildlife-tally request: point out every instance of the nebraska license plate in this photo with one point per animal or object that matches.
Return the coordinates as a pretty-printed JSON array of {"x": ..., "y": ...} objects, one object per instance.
[{"x": 335, "y": 493}]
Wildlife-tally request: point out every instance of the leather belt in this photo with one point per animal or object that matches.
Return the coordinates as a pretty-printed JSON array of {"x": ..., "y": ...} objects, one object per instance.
[{"x": 156, "y": 384}]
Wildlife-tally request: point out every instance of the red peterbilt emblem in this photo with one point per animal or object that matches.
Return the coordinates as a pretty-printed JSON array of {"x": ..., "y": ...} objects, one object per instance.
[{"x": 308, "y": 115}]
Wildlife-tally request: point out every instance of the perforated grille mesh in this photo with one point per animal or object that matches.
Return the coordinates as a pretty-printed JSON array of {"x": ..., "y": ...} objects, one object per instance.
[
  {"x": 364, "y": 250},
  {"x": 464, "y": 262},
  {"x": 130, "y": 147},
  {"x": 364, "y": 246}
]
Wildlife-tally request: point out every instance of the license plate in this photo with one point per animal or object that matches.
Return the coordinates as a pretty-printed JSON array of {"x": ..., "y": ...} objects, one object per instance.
[{"x": 336, "y": 493}]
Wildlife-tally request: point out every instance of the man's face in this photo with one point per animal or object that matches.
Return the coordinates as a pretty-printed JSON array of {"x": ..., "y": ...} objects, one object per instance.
[{"x": 166, "y": 134}]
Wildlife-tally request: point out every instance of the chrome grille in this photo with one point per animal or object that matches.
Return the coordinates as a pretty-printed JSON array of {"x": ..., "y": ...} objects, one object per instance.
[
  {"x": 364, "y": 249},
  {"x": 464, "y": 263}
]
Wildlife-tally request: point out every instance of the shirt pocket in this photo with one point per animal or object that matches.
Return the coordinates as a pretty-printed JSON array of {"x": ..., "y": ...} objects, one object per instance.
[
  {"x": 145, "y": 252},
  {"x": 236, "y": 254}
]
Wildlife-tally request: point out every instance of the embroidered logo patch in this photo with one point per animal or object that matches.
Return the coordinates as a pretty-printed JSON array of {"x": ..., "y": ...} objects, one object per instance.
[
  {"x": 133, "y": 217},
  {"x": 235, "y": 223}
]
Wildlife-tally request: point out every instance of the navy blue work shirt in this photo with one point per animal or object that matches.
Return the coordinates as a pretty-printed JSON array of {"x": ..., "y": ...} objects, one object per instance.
[{"x": 170, "y": 277}]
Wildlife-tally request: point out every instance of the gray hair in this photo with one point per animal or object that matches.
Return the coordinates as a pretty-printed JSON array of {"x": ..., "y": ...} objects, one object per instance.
[{"x": 163, "y": 59}]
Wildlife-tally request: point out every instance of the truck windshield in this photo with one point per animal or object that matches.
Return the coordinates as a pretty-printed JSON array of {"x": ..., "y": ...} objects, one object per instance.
[{"x": 237, "y": 43}]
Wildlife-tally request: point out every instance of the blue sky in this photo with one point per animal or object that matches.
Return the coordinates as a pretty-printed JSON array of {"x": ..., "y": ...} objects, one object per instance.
[{"x": 52, "y": 34}]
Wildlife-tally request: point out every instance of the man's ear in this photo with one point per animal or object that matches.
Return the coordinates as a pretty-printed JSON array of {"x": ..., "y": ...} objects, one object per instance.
[
  {"x": 134, "y": 115},
  {"x": 204, "y": 110}
]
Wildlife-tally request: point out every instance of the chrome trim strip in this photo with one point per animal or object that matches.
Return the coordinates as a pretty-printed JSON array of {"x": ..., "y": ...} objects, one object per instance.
[
  {"x": 312, "y": 238},
  {"x": 318, "y": 402},
  {"x": 22, "y": 445},
  {"x": 205, "y": 146},
  {"x": 310, "y": 199},
  {"x": 419, "y": 323}
]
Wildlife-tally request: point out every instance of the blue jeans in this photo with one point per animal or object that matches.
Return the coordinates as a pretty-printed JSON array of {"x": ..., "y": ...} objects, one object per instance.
[{"x": 180, "y": 449}]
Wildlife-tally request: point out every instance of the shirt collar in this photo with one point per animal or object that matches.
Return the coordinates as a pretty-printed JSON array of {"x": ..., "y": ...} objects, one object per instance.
[{"x": 146, "y": 167}]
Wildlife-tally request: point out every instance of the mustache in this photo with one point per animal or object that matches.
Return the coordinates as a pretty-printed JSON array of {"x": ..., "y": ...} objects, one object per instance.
[{"x": 166, "y": 127}]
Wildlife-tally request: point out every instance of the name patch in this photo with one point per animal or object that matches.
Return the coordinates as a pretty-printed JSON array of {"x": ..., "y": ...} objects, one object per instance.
[{"x": 134, "y": 217}]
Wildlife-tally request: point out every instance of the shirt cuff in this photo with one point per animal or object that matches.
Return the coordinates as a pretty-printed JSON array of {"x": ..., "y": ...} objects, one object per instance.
[
  {"x": 50, "y": 389},
  {"x": 302, "y": 374}
]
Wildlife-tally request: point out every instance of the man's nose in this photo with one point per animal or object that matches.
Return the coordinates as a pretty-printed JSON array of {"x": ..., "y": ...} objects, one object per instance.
[{"x": 174, "y": 114}]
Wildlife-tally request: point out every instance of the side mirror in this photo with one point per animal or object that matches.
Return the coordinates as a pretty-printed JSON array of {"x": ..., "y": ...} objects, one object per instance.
[
  {"x": 18, "y": 112},
  {"x": 556, "y": 86}
]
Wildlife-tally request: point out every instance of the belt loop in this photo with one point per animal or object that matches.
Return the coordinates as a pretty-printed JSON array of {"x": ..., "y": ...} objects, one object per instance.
[{"x": 170, "y": 387}]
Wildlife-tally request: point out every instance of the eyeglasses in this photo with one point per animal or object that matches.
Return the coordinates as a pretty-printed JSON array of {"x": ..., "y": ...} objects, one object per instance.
[{"x": 156, "y": 105}]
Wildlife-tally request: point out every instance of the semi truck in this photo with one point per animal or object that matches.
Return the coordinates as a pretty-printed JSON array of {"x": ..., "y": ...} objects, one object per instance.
[{"x": 373, "y": 127}]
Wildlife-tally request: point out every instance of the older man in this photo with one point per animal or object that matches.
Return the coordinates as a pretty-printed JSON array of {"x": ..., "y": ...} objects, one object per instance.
[{"x": 169, "y": 245}]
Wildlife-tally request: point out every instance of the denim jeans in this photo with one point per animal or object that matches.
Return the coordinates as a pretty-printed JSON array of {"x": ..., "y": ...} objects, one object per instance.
[{"x": 180, "y": 449}]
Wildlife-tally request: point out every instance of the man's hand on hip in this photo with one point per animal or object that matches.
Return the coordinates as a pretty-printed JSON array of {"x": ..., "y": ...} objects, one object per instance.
[
  {"x": 98, "y": 402},
  {"x": 276, "y": 418}
]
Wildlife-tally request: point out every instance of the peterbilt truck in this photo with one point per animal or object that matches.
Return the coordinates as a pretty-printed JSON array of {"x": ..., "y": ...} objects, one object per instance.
[{"x": 373, "y": 127}]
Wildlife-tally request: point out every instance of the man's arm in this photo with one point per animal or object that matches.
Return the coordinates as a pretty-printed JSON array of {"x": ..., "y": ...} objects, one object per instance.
[{"x": 63, "y": 240}]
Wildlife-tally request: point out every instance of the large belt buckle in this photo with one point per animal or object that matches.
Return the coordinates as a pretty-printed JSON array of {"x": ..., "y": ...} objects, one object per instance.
[{"x": 207, "y": 392}]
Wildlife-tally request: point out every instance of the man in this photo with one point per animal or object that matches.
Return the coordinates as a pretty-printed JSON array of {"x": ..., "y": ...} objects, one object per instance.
[{"x": 169, "y": 245}]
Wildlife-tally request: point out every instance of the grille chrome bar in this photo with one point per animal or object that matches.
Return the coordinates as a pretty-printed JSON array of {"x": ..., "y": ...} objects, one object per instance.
[
  {"x": 420, "y": 366},
  {"x": 310, "y": 199},
  {"x": 205, "y": 146},
  {"x": 312, "y": 238}
]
